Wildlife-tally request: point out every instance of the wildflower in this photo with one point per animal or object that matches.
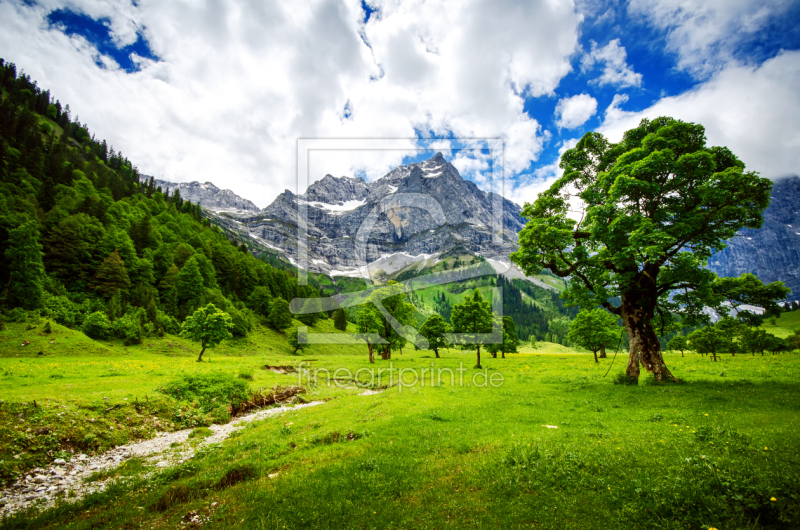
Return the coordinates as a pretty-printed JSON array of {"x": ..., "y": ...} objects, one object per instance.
[
  {"x": 705, "y": 414},
  {"x": 773, "y": 499}
]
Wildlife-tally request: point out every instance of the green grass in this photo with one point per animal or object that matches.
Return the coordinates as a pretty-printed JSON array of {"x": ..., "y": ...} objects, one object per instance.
[
  {"x": 708, "y": 452},
  {"x": 785, "y": 325}
]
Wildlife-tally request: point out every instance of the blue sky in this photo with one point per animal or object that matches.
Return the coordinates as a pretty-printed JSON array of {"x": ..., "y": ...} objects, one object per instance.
[{"x": 221, "y": 91}]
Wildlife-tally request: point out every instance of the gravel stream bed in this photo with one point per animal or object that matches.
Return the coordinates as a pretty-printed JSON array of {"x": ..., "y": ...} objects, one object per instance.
[{"x": 47, "y": 487}]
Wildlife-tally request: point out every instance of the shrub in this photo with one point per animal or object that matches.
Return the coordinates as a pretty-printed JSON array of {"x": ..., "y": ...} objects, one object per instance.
[
  {"x": 61, "y": 309},
  {"x": 167, "y": 323},
  {"x": 17, "y": 315},
  {"x": 97, "y": 326},
  {"x": 128, "y": 329},
  {"x": 210, "y": 390},
  {"x": 246, "y": 374}
]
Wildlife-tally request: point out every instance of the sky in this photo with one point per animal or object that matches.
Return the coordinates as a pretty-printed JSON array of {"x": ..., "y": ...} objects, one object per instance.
[{"x": 221, "y": 90}]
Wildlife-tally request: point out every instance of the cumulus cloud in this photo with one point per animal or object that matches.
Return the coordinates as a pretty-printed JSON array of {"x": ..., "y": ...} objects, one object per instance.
[
  {"x": 236, "y": 84},
  {"x": 528, "y": 187},
  {"x": 753, "y": 111},
  {"x": 575, "y": 111},
  {"x": 707, "y": 33},
  {"x": 614, "y": 58}
]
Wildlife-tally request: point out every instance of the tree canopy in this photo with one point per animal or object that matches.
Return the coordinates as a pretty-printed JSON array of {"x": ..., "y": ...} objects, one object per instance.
[
  {"x": 434, "y": 329},
  {"x": 638, "y": 220},
  {"x": 594, "y": 329},
  {"x": 209, "y": 326},
  {"x": 470, "y": 317}
]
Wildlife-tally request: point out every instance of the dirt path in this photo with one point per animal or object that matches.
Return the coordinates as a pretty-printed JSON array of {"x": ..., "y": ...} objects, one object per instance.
[{"x": 46, "y": 487}]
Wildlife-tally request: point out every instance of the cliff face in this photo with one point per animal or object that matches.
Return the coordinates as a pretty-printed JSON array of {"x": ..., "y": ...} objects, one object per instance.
[
  {"x": 773, "y": 251},
  {"x": 419, "y": 210}
]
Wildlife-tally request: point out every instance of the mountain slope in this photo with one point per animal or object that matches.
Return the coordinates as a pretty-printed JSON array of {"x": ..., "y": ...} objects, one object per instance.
[{"x": 773, "y": 251}]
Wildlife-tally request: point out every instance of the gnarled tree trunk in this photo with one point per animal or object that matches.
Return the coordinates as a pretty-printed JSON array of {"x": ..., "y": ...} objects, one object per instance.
[
  {"x": 645, "y": 348},
  {"x": 603, "y": 353}
]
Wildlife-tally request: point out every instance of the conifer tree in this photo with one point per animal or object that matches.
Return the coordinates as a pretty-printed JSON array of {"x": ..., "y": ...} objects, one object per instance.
[
  {"x": 189, "y": 286},
  {"x": 26, "y": 282},
  {"x": 340, "y": 319},
  {"x": 112, "y": 276},
  {"x": 472, "y": 316}
]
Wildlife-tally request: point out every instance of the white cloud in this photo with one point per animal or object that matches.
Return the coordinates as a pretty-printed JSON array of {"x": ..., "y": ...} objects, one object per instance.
[
  {"x": 753, "y": 111},
  {"x": 706, "y": 33},
  {"x": 575, "y": 111},
  {"x": 528, "y": 187},
  {"x": 615, "y": 66},
  {"x": 237, "y": 83}
]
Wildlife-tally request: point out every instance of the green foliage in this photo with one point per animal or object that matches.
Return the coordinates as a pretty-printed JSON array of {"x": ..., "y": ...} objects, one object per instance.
[
  {"x": 678, "y": 343},
  {"x": 594, "y": 329},
  {"x": 657, "y": 205},
  {"x": 26, "y": 269},
  {"x": 708, "y": 339},
  {"x": 208, "y": 390},
  {"x": 434, "y": 329},
  {"x": 128, "y": 328},
  {"x": 472, "y": 316},
  {"x": 209, "y": 326},
  {"x": 340, "y": 319},
  {"x": 259, "y": 301},
  {"x": 279, "y": 315},
  {"x": 97, "y": 326},
  {"x": 295, "y": 343},
  {"x": 112, "y": 276}
]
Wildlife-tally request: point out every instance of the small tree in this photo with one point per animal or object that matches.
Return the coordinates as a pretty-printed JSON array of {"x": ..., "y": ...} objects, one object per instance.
[
  {"x": 369, "y": 321},
  {"x": 97, "y": 326},
  {"x": 340, "y": 319},
  {"x": 678, "y": 343},
  {"x": 510, "y": 339},
  {"x": 26, "y": 279},
  {"x": 434, "y": 329},
  {"x": 209, "y": 326},
  {"x": 756, "y": 340},
  {"x": 730, "y": 329},
  {"x": 279, "y": 315},
  {"x": 295, "y": 343},
  {"x": 472, "y": 316},
  {"x": 708, "y": 340},
  {"x": 594, "y": 329}
]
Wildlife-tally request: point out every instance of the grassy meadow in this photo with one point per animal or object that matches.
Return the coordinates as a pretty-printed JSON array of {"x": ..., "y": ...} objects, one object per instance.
[{"x": 552, "y": 444}]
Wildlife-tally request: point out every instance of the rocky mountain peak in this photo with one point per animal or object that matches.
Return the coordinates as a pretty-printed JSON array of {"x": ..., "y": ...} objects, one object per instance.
[{"x": 207, "y": 195}]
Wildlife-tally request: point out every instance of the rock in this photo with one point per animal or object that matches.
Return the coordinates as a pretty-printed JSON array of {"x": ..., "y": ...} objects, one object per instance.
[
  {"x": 403, "y": 201},
  {"x": 40, "y": 479},
  {"x": 207, "y": 195},
  {"x": 773, "y": 251},
  {"x": 60, "y": 462}
]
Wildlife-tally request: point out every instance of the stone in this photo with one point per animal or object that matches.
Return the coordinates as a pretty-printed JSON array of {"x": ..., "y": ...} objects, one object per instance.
[
  {"x": 40, "y": 479},
  {"x": 60, "y": 462}
]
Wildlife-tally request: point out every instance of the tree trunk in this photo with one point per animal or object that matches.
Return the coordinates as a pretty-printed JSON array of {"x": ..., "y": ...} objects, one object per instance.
[
  {"x": 681, "y": 353},
  {"x": 200, "y": 359},
  {"x": 603, "y": 352},
  {"x": 595, "y": 356},
  {"x": 503, "y": 354},
  {"x": 436, "y": 351},
  {"x": 371, "y": 352},
  {"x": 645, "y": 348},
  {"x": 479, "y": 357}
]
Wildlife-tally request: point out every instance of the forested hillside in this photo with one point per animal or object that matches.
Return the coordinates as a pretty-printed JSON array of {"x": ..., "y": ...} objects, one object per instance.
[{"x": 81, "y": 234}]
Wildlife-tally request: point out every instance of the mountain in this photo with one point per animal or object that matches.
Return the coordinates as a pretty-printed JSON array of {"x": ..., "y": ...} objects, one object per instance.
[
  {"x": 773, "y": 251},
  {"x": 417, "y": 212},
  {"x": 207, "y": 195}
]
